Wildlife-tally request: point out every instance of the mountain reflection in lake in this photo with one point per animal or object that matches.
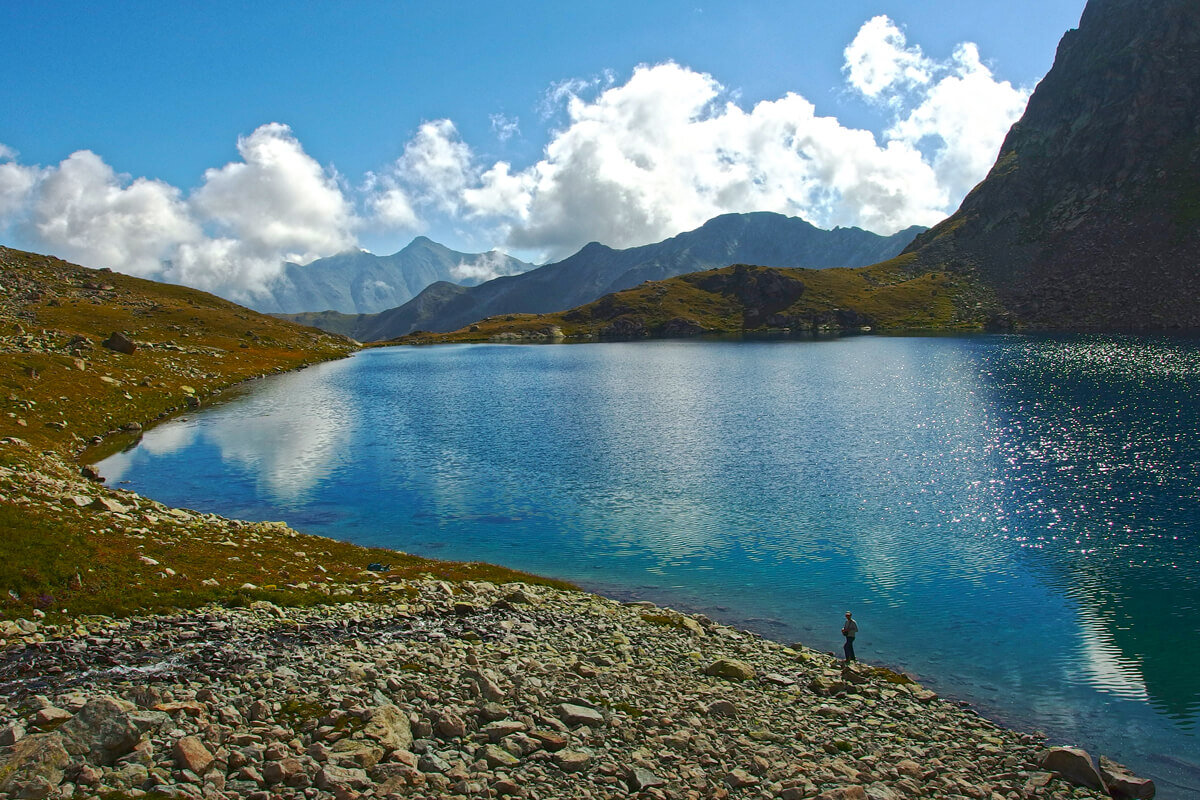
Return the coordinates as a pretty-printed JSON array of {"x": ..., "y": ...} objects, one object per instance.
[{"x": 1012, "y": 518}]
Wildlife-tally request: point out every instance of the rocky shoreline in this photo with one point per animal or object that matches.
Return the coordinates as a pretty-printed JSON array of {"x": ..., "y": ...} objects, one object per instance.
[
  {"x": 308, "y": 676},
  {"x": 476, "y": 689}
]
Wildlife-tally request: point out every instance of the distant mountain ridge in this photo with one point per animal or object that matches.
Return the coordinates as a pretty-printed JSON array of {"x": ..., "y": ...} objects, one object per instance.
[
  {"x": 596, "y": 270},
  {"x": 358, "y": 282},
  {"x": 1089, "y": 220}
]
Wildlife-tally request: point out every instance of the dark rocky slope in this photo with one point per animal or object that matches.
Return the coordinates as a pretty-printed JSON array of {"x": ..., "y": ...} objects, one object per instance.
[{"x": 1090, "y": 218}]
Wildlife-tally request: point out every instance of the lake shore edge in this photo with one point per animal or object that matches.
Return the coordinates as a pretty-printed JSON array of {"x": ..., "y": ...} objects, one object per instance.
[
  {"x": 151, "y": 651},
  {"x": 791, "y": 728}
]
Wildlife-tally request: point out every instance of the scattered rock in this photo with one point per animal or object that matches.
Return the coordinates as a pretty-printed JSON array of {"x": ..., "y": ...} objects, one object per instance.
[
  {"x": 572, "y": 760},
  {"x": 1120, "y": 782},
  {"x": 120, "y": 343},
  {"x": 1074, "y": 765},
  {"x": 730, "y": 669},
  {"x": 34, "y": 766},
  {"x": 389, "y": 726},
  {"x": 575, "y": 716},
  {"x": 191, "y": 754},
  {"x": 102, "y": 731}
]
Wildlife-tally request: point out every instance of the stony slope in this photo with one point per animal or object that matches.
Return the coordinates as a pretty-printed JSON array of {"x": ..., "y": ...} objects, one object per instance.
[
  {"x": 316, "y": 678},
  {"x": 358, "y": 282},
  {"x": 758, "y": 238},
  {"x": 1090, "y": 218},
  {"x": 474, "y": 690}
]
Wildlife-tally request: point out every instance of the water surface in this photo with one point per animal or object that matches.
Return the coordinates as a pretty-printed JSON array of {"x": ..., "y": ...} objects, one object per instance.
[{"x": 1013, "y": 519}]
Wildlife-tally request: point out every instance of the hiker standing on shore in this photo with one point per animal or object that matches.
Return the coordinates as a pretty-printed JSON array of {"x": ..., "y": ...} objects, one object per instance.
[{"x": 849, "y": 630}]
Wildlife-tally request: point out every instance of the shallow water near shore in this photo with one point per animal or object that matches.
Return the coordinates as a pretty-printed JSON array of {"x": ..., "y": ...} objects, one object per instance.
[{"x": 1015, "y": 520}]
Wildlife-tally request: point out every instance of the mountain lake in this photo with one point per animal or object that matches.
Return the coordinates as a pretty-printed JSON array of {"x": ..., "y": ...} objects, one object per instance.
[{"x": 1014, "y": 520}]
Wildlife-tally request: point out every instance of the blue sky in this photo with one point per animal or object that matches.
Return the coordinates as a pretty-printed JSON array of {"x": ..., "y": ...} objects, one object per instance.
[{"x": 397, "y": 116}]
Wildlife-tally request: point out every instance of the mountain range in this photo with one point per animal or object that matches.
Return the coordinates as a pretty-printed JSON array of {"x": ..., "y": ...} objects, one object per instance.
[
  {"x": 358, "y": 282},
  {"x": 596, "y": 270},
  {"x": 1088, "y": 220}
]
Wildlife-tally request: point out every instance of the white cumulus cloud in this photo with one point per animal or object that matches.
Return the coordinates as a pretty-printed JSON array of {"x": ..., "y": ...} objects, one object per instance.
[
  {"x": 964, "y": 116},
  {"x": 625, "y": 164},
  {"x": 671, "y": 147},
  {"x": 230, "y": 236},
  {"x": 89, "y": 213},
  {"x": 277, "y": 200},
  {"x": 482, "y": 268},
  {"x": 880, "y": 60},
  {"x": 16, "y": 185}
]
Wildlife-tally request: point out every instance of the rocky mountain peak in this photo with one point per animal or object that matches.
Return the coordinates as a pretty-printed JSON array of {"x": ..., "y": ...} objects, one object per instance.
[{"x": 1089, "y": 217}]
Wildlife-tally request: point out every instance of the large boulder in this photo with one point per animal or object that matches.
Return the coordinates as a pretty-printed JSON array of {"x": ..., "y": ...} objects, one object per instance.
[
  {"x": 33, "y": 767},
  {"x": 120, "y": 343},
  {"x": 389, "y": 726},
  {"x": 730, "y": 669},
  {"x": 1120, "y": 782},
  {"x": 102, "y": 731},
  {"x": 1073, "y": 764}
]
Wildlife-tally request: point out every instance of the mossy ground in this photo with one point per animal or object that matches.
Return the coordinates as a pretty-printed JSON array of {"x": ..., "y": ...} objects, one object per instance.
[{"x": 60, "y": 388}]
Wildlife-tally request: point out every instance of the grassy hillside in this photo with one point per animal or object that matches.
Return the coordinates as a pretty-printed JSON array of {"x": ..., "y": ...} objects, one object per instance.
[
  {"x": 70, "y": 543},
  {"x": 741, "y": 298},
  {"x": 332, "y": 321}
]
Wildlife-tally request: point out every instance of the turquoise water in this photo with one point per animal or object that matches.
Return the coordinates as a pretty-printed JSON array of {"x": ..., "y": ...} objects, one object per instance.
[{"x": 1016, "y": 520}]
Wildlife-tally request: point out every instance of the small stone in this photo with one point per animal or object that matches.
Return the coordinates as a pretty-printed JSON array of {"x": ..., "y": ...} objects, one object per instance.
[
  {"x": 495, "y": 731},
  {"x": 504, "y": 787},
  {"x": 51, "y": 717},
  {"x": 740, "y": 779},
  {"x": 389, "y": 726},
  {"x": 11, "y": 734},
  {"x": 574, "y": 715},
  {"x": 492, "y": 712},
  {"x": 844, "y": 793},
  {"x": 281, "y": 771},
  {"x": 550, "y": 740},
  {"x": 109, "y": 505},
  {"x": 721, "y": 708},
  {"x": 191, "y": 754},
  {"x": 639, "y": 778},
  {"x": 497, "y": 757},
  {"x": 572, "y": 760},
  {"x": 335, "y": 779},
  {"x": 450, "y": 726}
]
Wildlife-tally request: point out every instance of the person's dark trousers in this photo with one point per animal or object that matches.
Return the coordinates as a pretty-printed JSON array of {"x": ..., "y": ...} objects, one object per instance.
[{"x": 848, "y": 648}]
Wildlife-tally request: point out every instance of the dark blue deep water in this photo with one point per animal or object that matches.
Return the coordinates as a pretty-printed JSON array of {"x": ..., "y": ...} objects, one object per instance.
[{"x": 1016, "y": 520}]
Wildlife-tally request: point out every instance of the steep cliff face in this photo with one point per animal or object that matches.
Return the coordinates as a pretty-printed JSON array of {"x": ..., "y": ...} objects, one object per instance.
[{"x": 1090, "y": 217}]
